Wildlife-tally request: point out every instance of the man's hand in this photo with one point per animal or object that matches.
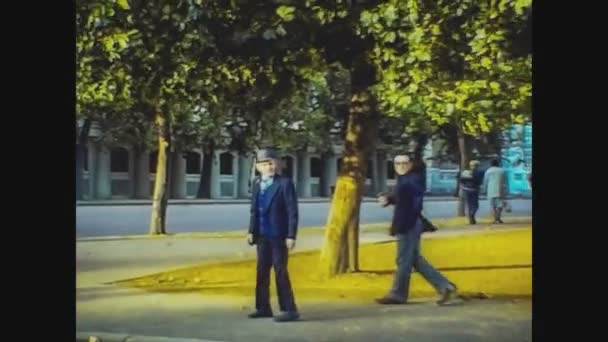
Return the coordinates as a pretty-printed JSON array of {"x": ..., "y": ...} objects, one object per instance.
[
  {"x": 383, "y": 200},
  {"x": 290, "y": 243},
  {"x": 250, "y": 239}
]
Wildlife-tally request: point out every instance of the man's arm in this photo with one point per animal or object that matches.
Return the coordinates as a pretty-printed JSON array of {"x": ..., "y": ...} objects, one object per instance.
[
  {"x": 253, "y": 210},
  {"x": 391, "y": 198},
  {"x": 291, "y": 204}
]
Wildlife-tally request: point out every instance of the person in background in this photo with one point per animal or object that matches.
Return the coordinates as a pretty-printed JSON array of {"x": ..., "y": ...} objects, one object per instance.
[
  {"x": 471, "y": 180},
  {"x": 495, "y": 187}
]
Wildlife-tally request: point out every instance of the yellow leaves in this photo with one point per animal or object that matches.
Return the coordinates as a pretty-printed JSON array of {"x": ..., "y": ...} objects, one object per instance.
[
  {"x": 416, "y": 36},
  {"x": 505, "y": 67},
  {"x": 486, "y": 62},
  {"x": 480, "y": 84},
  {"x": 484, "y": 125},
  {"x": 435, "y": 30},
  {"x": 404, "y": 101},
  {"x": 366, "y": 18},
  {"x": 245, "y": 72},
  {"x": 519, "y": 5},
  {"x": 460, "y": 102},
  {"x": 413, "y": 87},
  {"x": 387, "y": 55},
  {"x": 525, "y": 90},
  {"x": 449, "y": 109},
  {"x": 438, "y": 118},
  {"x": 518, "y": 118},
  {"x": 424, "y": 56},
  {"x": 286, "y": 12},
  {"x": 123, "y": 4},
  {"x": 390, "y": 14},
  {"x": 108, "y": 44},
  {"x": 416, "y": 75},
  {"x": 390, "y": 37},
  {"x": 495, "y": 87},
  {"x": 470, "y": 128}
]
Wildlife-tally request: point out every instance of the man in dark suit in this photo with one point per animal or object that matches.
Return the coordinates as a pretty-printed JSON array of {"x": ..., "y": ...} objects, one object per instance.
[
  {"x": 407, "y": 226},
  {"x": 273, "y": 227}
]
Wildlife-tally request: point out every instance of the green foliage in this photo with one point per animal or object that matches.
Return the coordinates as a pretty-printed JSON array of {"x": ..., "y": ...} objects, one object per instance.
[
  {"x": 451, "y": 62},
  {"x": 263, "y": 65}
]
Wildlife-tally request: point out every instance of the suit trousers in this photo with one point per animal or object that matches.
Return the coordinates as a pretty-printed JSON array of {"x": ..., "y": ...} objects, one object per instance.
[{"x": 273, "y": 253}]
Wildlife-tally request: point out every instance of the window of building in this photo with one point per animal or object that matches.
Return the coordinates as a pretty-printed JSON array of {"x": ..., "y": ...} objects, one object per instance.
[
  {"x": 86, "y": 159},
  {"x": 119, "y": 160},
  {"x": 226, "y": 161},
  {"x": 193, "y": 163},
  {"x": 316, "y": 167},
  {"x": 287, "y": 166},
  {"x": 390, "y": 169},
  {"x": 370, "y": 167},
  {"x": 339, "y": 164},
  {"x": 153, "y": 161}
]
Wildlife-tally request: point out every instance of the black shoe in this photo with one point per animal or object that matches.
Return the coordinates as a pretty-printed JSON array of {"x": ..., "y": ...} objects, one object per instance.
[
  {"x": 260, "y": 314},
  {"x": 389, "y": 300},
  {"x": 287, "y": 316},
  {"x": 472, "y": 220},
  {"x": 448, "y": 296}
]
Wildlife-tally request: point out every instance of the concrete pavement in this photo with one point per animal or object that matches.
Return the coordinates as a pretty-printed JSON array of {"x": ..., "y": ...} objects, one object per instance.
[
  {"x": 180, "y": 315},
  {"x": 104, "y": 261},
  {"x": 104, "y": 309}
]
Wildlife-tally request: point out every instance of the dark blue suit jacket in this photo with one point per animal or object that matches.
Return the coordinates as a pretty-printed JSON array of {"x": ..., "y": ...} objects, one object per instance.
[
  {"x": 281, "y": 207},
  {"x": 407, "y": 197}
]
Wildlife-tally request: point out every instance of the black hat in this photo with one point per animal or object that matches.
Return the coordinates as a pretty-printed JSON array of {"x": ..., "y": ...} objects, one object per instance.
[{"x": 266, "y": 154}]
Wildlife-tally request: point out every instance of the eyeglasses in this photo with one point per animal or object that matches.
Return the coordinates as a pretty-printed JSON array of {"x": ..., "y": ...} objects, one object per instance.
[{"x": 403, "y": 163}]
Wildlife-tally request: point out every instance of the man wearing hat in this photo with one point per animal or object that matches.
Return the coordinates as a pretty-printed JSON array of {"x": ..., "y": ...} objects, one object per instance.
[{"x": 273, "y": 227}]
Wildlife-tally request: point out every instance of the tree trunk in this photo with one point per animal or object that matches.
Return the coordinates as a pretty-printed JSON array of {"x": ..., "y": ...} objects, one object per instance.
[
  {"x": 344, "y": 253},
  {"x": 360, "y": 135},
  {"x": 464, "y": 161},
  {"x": 353, "y": 241},
  {"x": 160, "y": 196},
  {"x": 81, "y": 146},
  {"x": 204, "y": 185}
]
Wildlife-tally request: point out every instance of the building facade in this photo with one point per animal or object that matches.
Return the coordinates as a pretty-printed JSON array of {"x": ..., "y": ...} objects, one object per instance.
[{"x": 120, "y": 172}]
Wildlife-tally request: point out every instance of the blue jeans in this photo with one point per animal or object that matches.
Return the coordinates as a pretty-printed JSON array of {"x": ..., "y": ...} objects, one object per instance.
[{"x": 408, "y": 257}]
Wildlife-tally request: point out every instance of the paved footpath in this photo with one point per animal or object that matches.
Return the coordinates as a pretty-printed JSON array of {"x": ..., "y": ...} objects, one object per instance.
[{"x": 103, "y": 309}]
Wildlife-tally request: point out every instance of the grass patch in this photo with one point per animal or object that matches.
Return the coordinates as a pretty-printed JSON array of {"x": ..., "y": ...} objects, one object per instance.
[{"x": 492, "y": 262}]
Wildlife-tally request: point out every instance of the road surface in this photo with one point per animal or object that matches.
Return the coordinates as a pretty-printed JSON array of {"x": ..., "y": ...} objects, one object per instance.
[{"x": 134, "y": 219}]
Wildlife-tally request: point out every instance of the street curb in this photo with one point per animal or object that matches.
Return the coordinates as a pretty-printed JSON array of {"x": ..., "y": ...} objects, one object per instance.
[
  {"x": 111, "y": 337},
  {"x": 128, "y": 202},
  {"x": 237, "y": 234}
]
